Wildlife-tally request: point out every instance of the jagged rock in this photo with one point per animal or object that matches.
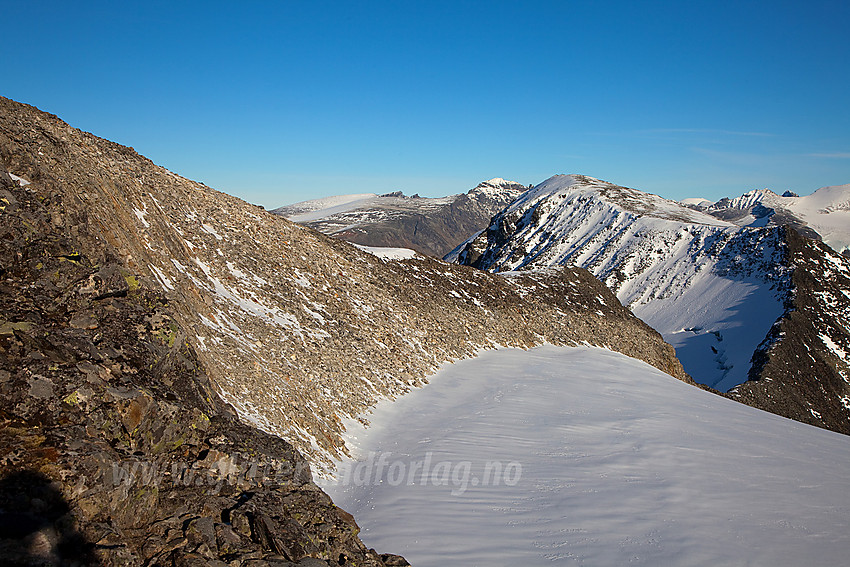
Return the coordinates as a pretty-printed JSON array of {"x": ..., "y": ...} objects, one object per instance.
[
  {"x": 228, "y": 541},
  {"x": 394, "y": 560},
  {"x": 114, "y": 447},
  {"x": 802, "y": 369}
]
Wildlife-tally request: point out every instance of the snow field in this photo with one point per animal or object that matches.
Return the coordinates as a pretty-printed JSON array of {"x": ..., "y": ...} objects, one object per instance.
[{"x": 619, "y": 463}]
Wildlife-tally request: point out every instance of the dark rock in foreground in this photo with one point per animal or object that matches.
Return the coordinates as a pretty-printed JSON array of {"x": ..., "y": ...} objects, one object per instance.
[{"x": 115, "y": 447}]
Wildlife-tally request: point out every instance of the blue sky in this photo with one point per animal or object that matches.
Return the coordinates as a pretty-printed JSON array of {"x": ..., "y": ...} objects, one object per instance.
[{"x": 278, "y": 102}]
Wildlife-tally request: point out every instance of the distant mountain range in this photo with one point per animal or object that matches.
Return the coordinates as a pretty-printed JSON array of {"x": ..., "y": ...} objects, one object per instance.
[
  {"x": 823, "y": 215},
  {"x": 430, "y": 226}
]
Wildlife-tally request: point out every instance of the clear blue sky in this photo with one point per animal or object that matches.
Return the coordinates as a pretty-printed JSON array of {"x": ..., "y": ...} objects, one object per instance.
[{"x": 277, "y": 102}]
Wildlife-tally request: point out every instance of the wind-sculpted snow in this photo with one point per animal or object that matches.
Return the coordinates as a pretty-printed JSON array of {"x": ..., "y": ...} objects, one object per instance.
[
  {"x": 680, "y": 270},
  {"x": 580, "y": 456}
]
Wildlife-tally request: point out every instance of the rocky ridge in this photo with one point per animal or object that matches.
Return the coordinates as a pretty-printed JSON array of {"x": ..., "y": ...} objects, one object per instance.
[
  {"x": 189, "y": 308},
  {"x": 823, "y": 215},
  {"x": 298, "y": 330},
  {"x": 429, "y": 226},
  {"x": 114, "y": 447}
]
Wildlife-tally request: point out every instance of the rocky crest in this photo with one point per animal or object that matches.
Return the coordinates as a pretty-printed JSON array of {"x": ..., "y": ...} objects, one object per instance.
[
  {"x": 430, "y": 226},
  {"x": 144, "y": 312},
  {"x": 298, "y": 330},
  {"x": 823, "y": 215}
]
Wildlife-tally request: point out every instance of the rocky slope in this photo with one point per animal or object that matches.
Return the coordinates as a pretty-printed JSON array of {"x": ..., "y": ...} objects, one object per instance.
[
  {"x": 429, "y": 226},
  {"x": 143, "y": 312},
  {"x": 712, "y": 288},
  {"x": 114, "y": 447}
]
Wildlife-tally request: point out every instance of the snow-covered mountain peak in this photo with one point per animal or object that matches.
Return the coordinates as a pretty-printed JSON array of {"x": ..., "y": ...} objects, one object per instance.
[
  {"x": 497, "y": 182},
  {"x": 306, "y": 211},
  {"x": 699, "y": 202},
  {"x": 624, "y": 199},
  {"x": 753, "y": 198},
  {"x": 828, "y": 199},
  {"x": 497, "y": 188},
  {"x": 713, "y": 287}
]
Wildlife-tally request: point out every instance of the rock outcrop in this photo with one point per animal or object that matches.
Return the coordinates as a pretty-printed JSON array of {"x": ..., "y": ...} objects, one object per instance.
[
  {"x": 114, "y": 447},
  {"x": 298, "y": 330}
]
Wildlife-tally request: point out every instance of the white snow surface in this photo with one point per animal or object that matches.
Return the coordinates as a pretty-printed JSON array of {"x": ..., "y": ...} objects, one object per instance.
[
  {"x": 604, "y": 461},
  {"x": 695, "y": 201},
  {"x": 315, "y": 209},
  {"x": 715, "y": 324},
  {"x": 388, "y": 253},
  {"x": 827, "y": 210},
  {"x": 20, "y": 180}
]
